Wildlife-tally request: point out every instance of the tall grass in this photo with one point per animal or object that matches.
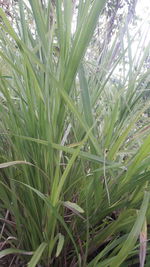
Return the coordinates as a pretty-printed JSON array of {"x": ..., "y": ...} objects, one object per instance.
[{"x": 74, "y": 184}]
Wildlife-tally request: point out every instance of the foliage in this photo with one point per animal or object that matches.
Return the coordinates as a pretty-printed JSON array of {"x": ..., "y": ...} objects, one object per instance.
[{"x": 78, "y": 191}]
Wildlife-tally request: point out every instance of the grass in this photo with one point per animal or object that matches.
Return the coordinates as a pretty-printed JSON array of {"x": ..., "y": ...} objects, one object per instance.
[{"x": 74, "y": 182}]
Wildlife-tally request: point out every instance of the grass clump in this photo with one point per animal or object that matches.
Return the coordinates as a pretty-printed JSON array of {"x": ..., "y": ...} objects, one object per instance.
[{"x": 74, "y": 184}]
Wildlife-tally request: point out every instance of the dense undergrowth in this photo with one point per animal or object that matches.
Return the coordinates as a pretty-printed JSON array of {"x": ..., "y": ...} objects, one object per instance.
[{"x": 74, "y": 142}]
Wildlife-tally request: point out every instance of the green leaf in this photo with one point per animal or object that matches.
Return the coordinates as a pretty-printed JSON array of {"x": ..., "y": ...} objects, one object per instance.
[
  {"x": 85, "y": 97},
  {"x": 82, "y": 38},
  {"x": 60, "y": 244},
  {"x": 140, "y": 156},
  {"x": 5, "y": 77},
  {"x": 9, "y": 251},
  {"x": 73, "y": 206},
  {"x": 37, "y": 255}
]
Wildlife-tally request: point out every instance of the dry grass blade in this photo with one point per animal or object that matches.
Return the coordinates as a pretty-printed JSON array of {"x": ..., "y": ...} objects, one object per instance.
[
  {"x": 143, "y": 244},
  {"x": 12, "y": 163}
]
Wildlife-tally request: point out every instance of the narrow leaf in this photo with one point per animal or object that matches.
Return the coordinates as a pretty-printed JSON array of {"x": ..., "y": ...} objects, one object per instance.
[
  {"x": 73, "y": 206},
  {"x": 37, "y": 255},
  {"x": 12, "y": 163},
  {"x": 9, "y": 251},
  {"x": 143, "y": 244},
  {"x": 60, "y": 244}
]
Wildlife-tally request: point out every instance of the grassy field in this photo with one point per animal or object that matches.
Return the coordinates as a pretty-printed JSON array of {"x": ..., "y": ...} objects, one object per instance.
[{"x": 74, "y": 142}]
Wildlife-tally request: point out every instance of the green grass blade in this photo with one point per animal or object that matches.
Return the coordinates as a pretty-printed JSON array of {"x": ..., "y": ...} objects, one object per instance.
[
  {"x": 9, "y": 251},
  {"x": 37, "y": 255},
  {"x": 60, "y": 244}
]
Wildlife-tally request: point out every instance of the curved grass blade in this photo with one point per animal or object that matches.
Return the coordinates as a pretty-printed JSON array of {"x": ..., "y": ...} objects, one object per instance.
[
  {"x": 9, "y": 251},
  {"x": 12, "y": 163},
  {"x": 37, "y": 255},
  {"x": 60, "y": 244}
]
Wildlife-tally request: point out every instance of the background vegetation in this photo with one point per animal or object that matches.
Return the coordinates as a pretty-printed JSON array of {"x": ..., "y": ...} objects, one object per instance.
[{"x": 74, "y": 142}]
